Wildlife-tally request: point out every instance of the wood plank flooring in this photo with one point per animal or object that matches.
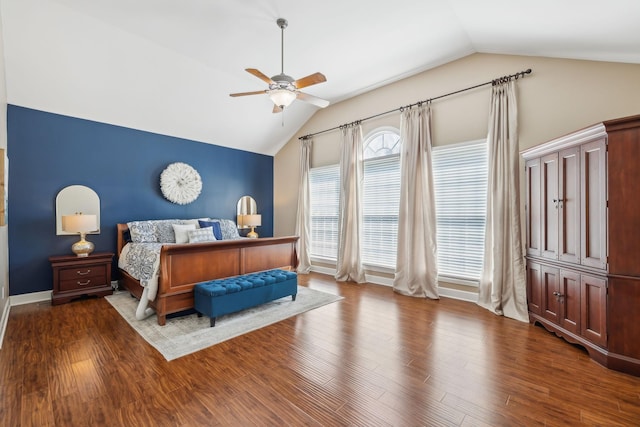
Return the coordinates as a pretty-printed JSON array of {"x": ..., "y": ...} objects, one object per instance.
[{"x": 373, "y": 359}]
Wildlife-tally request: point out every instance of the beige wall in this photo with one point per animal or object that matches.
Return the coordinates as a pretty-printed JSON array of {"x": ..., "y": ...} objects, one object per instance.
[{"x": 558, "y": 97}]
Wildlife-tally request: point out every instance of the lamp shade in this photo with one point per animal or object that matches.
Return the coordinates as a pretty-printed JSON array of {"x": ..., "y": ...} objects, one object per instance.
[
  {"x": 282, "y": 97},
  {"x": 254, "y": 220},
  {"x": 79, "y": 223}
]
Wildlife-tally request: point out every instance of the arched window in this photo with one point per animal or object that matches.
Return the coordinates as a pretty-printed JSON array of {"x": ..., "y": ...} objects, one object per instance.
[
  {"x": 381, "y": 197},
  {"x": 382, "y": 142}
]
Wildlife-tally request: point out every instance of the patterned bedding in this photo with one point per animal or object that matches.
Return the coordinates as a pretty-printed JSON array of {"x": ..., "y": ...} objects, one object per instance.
[
  {"x": 142, "y": 262},
  {"x": 141, "y": 257}
]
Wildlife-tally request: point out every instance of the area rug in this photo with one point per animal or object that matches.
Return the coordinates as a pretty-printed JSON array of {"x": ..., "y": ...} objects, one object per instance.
[{"x": 188, "y": 334}]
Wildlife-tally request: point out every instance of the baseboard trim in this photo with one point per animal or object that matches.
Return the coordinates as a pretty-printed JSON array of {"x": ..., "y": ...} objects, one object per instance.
[
  {"x": 4, "y": 320},
  {"x": 323, "y": 270},
  {"x": 458, "y": 294},
  {"x": 387, "y": 281},
  {"x": 30, "y": 298}
]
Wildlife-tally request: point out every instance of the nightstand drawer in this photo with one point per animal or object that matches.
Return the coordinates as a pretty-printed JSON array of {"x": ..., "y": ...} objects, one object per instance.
[
  {"x": 83, "y": 273},
  {"x": 71, "y": 285}
]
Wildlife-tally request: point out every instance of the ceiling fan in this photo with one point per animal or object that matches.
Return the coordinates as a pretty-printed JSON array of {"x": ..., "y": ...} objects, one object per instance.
[{"x": 283, "y": 89}]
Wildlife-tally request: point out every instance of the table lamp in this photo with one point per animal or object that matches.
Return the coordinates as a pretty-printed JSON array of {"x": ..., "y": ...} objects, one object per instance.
[
  {"x": 253, "y": 220},
  {"x": 82, "y": 224}
]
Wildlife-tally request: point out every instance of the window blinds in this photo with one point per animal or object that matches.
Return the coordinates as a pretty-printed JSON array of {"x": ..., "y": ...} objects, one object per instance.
[
  {"x": 460, "y": 180},
  {"x": 324, "y": 183},
  {"x": 381, "y": 198},
  {"x": 381, "y": 201}
]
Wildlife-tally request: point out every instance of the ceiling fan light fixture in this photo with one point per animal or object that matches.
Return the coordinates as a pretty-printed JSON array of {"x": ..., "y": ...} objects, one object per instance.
[
  {"x": 284, "y": 89},
  {"x": 282, "y": 97}
]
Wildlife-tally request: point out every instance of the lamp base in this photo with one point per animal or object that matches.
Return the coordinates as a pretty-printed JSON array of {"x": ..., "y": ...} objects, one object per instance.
[
  {"x": 82, "y": 248},
  {"x": 252, "y": 234}
]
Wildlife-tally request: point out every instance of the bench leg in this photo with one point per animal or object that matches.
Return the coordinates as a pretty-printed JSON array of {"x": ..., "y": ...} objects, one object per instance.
[
  {"x": 212, "y": 322},
  {"x": 199, "y": 314},
  {"x": 293, "y": 297}
]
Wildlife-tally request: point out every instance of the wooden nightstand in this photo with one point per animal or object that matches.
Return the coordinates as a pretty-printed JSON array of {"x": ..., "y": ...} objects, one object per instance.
[{"x": 76, "y": 277}]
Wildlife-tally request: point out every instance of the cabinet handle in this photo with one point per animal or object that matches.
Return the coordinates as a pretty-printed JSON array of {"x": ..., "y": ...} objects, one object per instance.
[
  {"x": 83, "y": 273},
  {"x": 558, "y": 202},
  {"x": 83, "y": 283}
]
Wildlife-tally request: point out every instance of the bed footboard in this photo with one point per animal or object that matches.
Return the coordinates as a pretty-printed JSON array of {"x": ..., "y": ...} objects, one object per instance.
[{"x": 182, "y": 266}]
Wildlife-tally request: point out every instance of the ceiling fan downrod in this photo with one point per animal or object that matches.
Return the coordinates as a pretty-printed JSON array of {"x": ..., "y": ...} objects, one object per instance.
[{"x": 282, "y": 23}]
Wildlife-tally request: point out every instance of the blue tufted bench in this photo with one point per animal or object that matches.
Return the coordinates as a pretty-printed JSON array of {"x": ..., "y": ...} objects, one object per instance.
[{"x": 223, "y": 296}]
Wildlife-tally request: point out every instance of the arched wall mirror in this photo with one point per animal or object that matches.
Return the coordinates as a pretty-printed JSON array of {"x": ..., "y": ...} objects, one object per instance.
[
  {"x": 246, "y": 206},
  {"x": 76, "y": 198}
]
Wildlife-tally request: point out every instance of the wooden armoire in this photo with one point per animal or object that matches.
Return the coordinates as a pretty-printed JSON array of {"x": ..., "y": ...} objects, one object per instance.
[{"x": 583, "y": 240}]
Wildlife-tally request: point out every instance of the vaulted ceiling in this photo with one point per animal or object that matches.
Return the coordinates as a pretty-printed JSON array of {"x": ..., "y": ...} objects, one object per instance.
[{"x": 168, "y": 66}]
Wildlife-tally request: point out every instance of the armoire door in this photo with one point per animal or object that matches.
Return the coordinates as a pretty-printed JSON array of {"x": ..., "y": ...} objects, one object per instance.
[
  {"x": 550, "y": 206},
  {"x": 570, "y": 299},
  {"x": 593, "y": 316},
  {"x": 550, "y": 294},
  {"x": 533, "y": 207},
  {"x": 569, "y": 205},
  {"x": 534, "y": 287},
  {"x": 593, "y": 195}
]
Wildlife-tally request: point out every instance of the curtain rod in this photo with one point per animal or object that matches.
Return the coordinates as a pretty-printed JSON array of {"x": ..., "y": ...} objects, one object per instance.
[{"x": 493, "y": 82}]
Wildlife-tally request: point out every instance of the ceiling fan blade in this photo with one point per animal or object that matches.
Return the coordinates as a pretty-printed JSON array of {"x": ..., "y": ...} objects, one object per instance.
[
  {"x": 276, "y": 109},
  {"x": 311, "y": 79},
  {"x": 319, "y": 102},
  {"x": 257, "y": 92},
  {"x": 260, "y": 75}
]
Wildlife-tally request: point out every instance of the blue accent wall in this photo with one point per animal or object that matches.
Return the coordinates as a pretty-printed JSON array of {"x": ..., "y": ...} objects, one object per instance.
[{"x": 48, "y": 152}]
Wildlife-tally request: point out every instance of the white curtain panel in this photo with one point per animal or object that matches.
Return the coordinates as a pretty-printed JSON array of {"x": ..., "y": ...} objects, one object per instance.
[
  {"x": 303, "y": 218},
  {"x": 503, "y": 284},
  {"x": 349, "y": 265},
  {"x": 416, "y": 263}
]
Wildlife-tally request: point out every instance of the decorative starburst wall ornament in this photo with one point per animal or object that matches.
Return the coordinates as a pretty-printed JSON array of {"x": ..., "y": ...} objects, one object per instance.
[{"x": 180, "y": 183}]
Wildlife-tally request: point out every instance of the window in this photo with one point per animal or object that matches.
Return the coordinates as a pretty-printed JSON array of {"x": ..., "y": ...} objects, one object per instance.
[
  {"x": 324, "y": 183},
  {"x": 381, "y": 198},
  {"x": 460, "y": 182},
  {"x": 460, "y": 179}
]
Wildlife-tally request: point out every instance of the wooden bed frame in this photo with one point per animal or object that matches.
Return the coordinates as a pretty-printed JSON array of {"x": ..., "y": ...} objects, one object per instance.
[{"x": 184, "y": 265}]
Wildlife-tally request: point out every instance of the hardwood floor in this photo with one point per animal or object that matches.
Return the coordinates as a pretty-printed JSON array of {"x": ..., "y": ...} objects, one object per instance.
[{"x": 374, "y": 358}]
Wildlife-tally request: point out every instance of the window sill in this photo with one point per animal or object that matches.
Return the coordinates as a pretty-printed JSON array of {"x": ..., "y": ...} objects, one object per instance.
[
  {"x": 459, "y": 281},
  {"x": 386, "y": 271}
]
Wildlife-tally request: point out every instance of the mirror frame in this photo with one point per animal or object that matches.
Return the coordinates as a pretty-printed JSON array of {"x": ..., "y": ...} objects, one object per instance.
[
  {"x": 246, "y": 206},
  {"x": 76, "y": 198}
]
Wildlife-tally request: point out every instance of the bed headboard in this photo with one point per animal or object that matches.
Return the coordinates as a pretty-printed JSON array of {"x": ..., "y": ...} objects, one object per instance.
[{"x": 123, "y": 233}]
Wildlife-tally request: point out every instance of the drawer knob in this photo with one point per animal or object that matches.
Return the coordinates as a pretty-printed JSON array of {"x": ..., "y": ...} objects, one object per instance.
[
  {"x": 84, "y": 283},
  {"x": 83, "y": 273}
]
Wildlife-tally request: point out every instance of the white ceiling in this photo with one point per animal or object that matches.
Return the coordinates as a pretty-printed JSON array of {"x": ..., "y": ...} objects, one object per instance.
[{"x": 168, "y": 66}]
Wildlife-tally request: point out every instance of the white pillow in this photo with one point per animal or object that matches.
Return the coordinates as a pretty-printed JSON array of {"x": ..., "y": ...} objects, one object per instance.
[
  {"x": 201, "y": 235},
  {"x": 190, "y": 221},
  {"x": 182, "y": 232}
]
